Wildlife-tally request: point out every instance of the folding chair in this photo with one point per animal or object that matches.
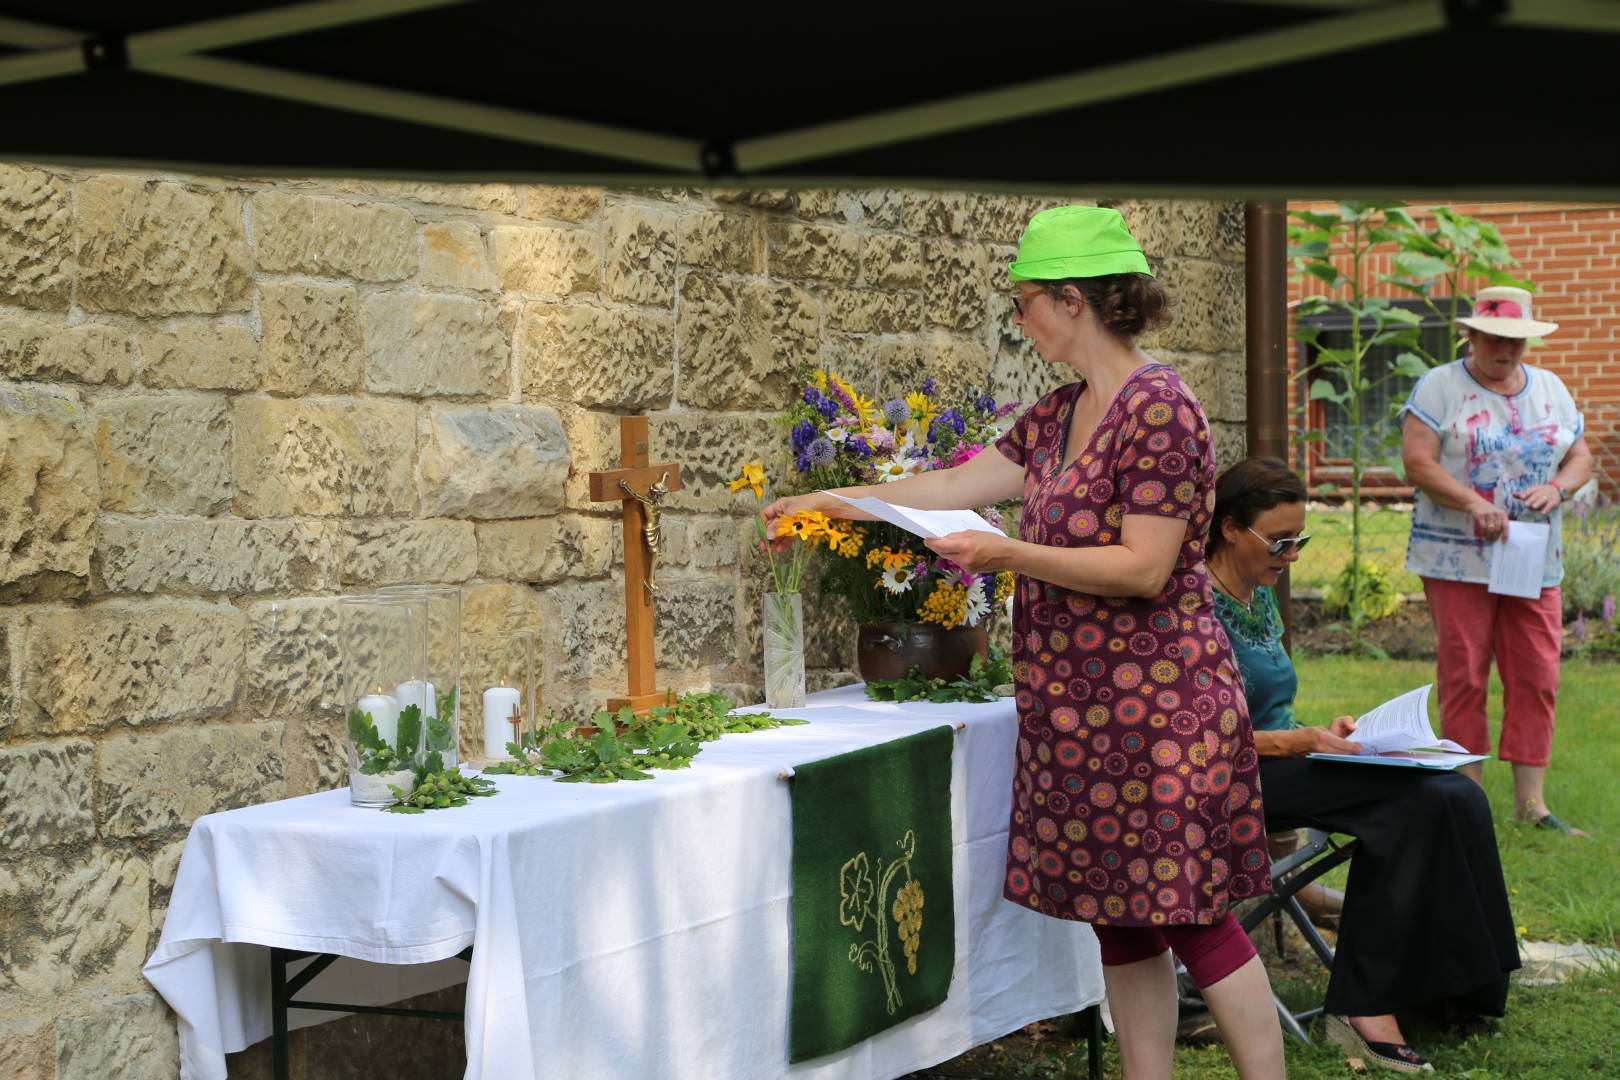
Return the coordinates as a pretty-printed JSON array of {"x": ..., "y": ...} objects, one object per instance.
[{"x": 1319, "y": 853}]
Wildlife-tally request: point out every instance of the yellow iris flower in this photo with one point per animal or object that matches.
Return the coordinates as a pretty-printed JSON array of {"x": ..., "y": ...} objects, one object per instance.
[{"x": 753, "y": 476}]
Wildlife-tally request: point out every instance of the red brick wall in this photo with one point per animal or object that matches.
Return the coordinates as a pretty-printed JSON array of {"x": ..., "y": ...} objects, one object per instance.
[{"x": 1571, "y": 252}]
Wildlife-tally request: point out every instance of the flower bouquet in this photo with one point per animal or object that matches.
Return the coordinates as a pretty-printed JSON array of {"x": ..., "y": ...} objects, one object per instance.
[
  {"x": 839, "y": 438},
  {"x": 782, "y": 611}
]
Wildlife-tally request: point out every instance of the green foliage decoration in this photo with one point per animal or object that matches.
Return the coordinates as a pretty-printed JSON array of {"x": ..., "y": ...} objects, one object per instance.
[
  {"x": 980, "y": 684},
  {"x": 440, "y": 791},
  {"x": 626, "y": 746}
]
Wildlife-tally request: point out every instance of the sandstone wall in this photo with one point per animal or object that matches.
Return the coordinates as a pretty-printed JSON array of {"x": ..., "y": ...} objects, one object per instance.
[{"x": 223, "y": 403}]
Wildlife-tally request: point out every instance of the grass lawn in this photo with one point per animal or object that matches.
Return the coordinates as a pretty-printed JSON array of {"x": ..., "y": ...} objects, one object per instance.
[{"x": 1562, "y": 889}]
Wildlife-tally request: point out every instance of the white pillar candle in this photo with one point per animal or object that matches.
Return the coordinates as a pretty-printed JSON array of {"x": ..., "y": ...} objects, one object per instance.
[
  {"x": 499, "y": 701},
  {"x": 384, "y": 712},
  {"x": 424, "y": 695}
]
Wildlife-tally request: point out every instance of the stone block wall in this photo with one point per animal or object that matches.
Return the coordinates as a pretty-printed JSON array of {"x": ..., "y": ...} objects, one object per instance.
[{"x": 225, "y": 402}]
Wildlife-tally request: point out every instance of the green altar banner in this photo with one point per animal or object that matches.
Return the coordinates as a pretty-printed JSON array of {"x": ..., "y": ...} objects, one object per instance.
[{"x": 874, "y": 926}]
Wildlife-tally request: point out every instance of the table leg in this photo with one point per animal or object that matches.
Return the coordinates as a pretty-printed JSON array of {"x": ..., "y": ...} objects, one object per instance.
[
  {"x": 1092, "y": 1019},
  {"x": 280, "y": 1066}
]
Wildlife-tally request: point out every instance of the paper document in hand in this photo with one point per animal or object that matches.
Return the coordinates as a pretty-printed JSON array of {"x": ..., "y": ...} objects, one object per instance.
[
  {"x": 1519, "y": 559},
  {"x": 928, "y": 524},
  {"x": 1401, "y": 723}
]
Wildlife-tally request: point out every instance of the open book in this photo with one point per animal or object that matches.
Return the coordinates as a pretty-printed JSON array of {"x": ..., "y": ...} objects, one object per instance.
[
  {"x": 1398, "y": 733},
  {"x": 928, "y": 524}
]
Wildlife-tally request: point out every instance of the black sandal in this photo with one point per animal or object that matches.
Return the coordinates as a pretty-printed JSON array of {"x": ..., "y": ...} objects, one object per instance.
[
  {"x": 1397, "y": 1057},
  {"x": 1550, "y": 820}
]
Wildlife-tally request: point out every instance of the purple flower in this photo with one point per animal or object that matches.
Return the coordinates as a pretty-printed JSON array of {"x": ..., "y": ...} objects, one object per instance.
[
  {"x": 841, "y": 397},
  {"x": 896, "y": 411},
  {"x": 818, "y": 401},
  {"x": 821, "y": 452},
  {"x": 928, "y": 387},
  {"x": 858, "y": 446},
  {"x": 985, "y": 404},
  {"x": 1608, "y": 611},
  {"x": 1580, "y": 626},
  {"x": 803, "y": 432},
  {"x": 949, "y": 420}
]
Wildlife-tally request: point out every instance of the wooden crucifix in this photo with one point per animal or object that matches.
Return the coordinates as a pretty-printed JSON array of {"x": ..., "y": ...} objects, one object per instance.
[{"x": 639, "y": 486}]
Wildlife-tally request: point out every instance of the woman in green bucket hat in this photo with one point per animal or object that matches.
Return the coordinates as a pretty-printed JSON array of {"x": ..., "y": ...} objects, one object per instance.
[{"x": 1136, "y": 795}]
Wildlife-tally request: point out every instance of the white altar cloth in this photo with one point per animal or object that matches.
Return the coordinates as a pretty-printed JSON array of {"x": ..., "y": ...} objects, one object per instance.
[{"x": 637, "y": 929}]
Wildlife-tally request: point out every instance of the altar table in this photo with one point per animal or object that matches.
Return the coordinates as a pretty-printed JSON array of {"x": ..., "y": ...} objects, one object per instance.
[{"x": 635, "y": 930}]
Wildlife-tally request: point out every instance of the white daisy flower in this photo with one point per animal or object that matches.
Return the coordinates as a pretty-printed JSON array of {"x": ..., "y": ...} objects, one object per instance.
[
  {"x": 897, "y": 468},
  {"x": 978, "y": 605},
  {"x": 837, "y": 434},
  {"x": 897, "y": 580}
]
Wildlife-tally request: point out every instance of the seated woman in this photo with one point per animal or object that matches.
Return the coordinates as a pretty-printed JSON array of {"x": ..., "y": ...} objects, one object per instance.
[{"x": 1425, "y": 923}]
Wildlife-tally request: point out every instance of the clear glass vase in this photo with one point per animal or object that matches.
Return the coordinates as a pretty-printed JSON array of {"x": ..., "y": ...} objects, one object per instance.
[
  {"x": 382, "y": 641},
  {"x": 438, "y": 693},
  {"x": 782, "y": 622}
]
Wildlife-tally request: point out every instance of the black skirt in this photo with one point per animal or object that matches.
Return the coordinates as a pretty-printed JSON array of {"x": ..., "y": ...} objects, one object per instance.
[{"x": 1426, "y": 922}]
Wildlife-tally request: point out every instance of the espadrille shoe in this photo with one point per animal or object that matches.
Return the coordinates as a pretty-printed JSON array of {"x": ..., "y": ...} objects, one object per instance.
[{"x": 1397, "y": 1057}]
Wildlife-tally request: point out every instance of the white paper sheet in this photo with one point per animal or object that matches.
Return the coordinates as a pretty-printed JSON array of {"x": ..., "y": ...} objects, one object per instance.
[
  {"x": 928, "y": 524},
  {"x": 1401, "y": 723},
  {"x": 1409, "y": 759},
  {"x": 1519, "y": 559}
]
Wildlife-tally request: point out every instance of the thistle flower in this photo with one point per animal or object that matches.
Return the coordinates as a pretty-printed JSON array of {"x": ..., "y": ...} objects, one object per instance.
[
  {"x": 896, "y": 411},
  {"x": 821, "y": 452}
]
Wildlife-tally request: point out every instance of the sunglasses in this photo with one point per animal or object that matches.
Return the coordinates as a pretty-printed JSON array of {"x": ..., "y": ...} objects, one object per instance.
[
  {"x": 1277, "y": 547},
  {"x": 1021, "y": 301}
]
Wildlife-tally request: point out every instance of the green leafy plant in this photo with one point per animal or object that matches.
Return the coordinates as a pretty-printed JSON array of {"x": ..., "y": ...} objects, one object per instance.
[
  {"x": 980, "y": 684},
  {"x": 1440, "y": 264},
  {"x": 1372, "y": 585},
  {"x": 626, "y": 746},
  {"x": 707, "y": 716},
  {"x": 376, "y": 755},
  {"x": 440, "y": 791}
]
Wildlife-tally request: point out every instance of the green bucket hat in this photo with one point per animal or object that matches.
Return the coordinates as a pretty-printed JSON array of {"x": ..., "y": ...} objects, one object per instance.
[{"x": 1076, "y": 242}]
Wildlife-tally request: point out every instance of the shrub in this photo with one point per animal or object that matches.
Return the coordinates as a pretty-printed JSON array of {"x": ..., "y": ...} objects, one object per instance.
[
  {"x": 1375, "y": 593},
  {"x": 1591, "y": 559}
]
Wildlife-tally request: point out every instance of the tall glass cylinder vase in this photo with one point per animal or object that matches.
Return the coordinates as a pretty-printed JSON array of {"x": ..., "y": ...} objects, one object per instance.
[
  {"x": 382, "y": 644},
  {"x": 782, "y": 622},
  {"x": 439, "y": 692},
  {"x": 501, "y": 672}
]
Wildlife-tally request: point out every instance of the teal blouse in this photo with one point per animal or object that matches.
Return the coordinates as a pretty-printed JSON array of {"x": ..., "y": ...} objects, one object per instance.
[{"x": 1269, "y": 680}]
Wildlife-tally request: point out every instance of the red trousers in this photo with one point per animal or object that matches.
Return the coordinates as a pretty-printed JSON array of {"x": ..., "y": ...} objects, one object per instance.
[{"x": 1524, "y": 637}]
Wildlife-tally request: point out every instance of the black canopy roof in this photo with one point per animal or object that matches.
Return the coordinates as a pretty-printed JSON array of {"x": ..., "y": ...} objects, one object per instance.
[{"x": 1416, "y": 97}]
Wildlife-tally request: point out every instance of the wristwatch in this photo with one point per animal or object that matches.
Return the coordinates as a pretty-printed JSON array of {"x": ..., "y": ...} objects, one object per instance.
[{"x": 1563, "y": 492}]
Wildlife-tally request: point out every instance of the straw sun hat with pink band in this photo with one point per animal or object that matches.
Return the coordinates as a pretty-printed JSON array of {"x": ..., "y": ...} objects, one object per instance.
[{"x": 1505, "y": 312}]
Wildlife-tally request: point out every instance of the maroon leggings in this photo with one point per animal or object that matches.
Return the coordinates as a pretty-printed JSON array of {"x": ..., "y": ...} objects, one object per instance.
[{"x": 1211, "y": 953}]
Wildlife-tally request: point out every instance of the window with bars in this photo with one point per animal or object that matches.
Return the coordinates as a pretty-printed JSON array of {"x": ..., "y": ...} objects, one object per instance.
[{"x": 1378, "y": 422}]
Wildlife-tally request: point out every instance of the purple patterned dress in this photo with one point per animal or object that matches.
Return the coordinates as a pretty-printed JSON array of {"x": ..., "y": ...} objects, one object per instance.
[{"x": 1136, "y": 797}]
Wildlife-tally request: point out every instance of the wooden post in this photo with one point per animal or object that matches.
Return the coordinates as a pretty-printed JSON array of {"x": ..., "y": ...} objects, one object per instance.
[{"x": 646, "y": 484}]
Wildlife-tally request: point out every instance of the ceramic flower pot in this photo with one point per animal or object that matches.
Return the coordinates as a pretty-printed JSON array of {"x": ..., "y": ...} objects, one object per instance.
[{"x": 890, "y": 650}]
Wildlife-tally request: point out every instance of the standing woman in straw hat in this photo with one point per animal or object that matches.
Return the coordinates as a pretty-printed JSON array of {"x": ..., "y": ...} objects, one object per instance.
[
  {"x": 1487, "y": 440},
  {"x": 1136, "y": 794}
]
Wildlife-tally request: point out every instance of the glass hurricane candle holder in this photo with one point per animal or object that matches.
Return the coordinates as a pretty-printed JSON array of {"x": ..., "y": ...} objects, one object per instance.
[
  {"x": 439, "y": 692},
  {"x": 381, "y": 645}
]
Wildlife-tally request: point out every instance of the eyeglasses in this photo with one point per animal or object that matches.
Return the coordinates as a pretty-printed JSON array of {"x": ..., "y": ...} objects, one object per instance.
[
  {"x": 1020, "y": 300},
  {"x": 1277, "y": 547}
]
